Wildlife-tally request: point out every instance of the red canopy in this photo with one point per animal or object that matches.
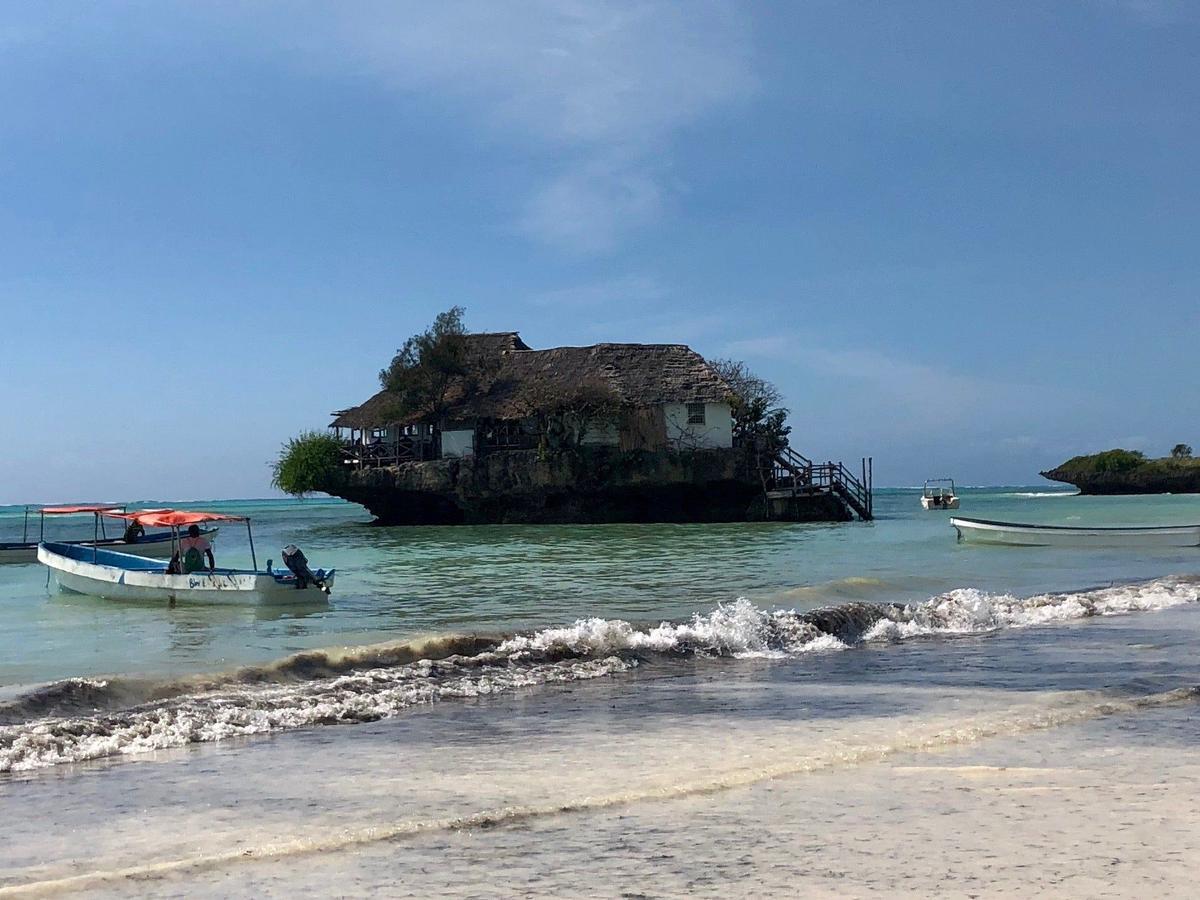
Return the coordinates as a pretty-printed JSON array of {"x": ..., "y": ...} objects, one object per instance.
[
  {"x": 174, "y": 517},
  {"x": 68, "y": 510}
]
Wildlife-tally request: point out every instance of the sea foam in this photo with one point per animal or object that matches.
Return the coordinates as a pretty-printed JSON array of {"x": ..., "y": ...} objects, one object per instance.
[{"x": 86, "y": 719}]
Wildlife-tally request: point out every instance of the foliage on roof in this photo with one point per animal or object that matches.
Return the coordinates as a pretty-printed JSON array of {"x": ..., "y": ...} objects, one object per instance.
[{"x": 502, "y": 375}]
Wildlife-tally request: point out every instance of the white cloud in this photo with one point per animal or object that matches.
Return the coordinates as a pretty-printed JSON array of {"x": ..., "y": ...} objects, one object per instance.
[
  {"x": 914, "y": 392},
  {"x": 640, "y": 290},
  {"x": 604, "y": 84},
  {"x": 777, "y": 346},
  {"x": 587, "y": 209},
  {"x": 667, "y": 327}
]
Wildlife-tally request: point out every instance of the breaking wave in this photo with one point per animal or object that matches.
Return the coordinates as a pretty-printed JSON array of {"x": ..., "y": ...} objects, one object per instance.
[{"x": 82, "y": 719}]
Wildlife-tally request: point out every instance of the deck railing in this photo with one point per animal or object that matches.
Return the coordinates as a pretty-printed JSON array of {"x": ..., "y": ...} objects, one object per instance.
[
  {"x": 791, "y": 472},
  {"x": 507, "y": 436},
  {"x": 378, "y": 454}
]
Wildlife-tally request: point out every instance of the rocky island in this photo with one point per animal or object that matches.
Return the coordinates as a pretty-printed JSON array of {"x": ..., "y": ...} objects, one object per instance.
[
  {"x": 1131, "y": 472},
  {"x": 475, "y": 428}
]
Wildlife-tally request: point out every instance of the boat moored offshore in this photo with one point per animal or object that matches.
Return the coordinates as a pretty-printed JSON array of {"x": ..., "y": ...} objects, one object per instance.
[
  {"x": 123, "y": 576},
  {"x": 1018, "y": 534},
  {"x": 154, "y": 543},
  {"x": 938, "y": 493}
]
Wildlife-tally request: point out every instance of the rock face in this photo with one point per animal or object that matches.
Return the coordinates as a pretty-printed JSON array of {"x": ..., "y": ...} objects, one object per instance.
[
  {"x": 1128, "y": 472},
  {"x": 587, "y": 485}
]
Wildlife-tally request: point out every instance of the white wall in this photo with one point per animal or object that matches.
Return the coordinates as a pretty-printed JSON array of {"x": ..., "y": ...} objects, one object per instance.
[
  {"x": 458, "y": 443},
  {"x": 717, "y": 430}
]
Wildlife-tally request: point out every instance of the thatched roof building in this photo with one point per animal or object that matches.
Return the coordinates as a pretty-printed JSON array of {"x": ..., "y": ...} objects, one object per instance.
[{"x": 504, "y": 373}]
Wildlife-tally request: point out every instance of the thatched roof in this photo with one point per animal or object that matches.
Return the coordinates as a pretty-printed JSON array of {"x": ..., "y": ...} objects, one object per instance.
[
  {"x": 481, "y": 348},
  {"x": 380, "y": 410},
  {"x": 638, "y": 375},
  {"x": 490, "y": 344}
]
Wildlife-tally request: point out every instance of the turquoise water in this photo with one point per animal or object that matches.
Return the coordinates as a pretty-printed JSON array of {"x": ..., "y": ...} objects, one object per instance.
[
  {"x": 617, "y": 710},
  {"x": 399, "y": 583}
]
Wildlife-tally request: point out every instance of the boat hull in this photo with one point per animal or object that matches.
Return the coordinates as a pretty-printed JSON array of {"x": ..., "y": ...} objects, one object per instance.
[
  {"x": 123, "y": 576},
  {"x": 1015, "y": 534},
  {"x": 939, "y": 503},
  {"x": 156, "y": 545}
]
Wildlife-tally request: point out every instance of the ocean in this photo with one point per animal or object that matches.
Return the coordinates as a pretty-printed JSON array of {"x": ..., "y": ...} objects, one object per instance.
[{"x": 618, "y": 710}]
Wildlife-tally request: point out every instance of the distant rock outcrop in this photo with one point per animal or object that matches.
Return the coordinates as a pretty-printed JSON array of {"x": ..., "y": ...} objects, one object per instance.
[{"x": 1128, "y": 472}]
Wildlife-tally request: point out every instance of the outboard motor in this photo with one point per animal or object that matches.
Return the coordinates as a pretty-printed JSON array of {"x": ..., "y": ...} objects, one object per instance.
[{"x": 297, "y": 563}]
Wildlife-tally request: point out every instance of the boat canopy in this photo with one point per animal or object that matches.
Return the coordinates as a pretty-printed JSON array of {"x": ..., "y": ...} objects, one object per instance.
[
  {"x": 177, "y": 518},
  {"x": 174, "y": 518},
  {"x": 96, "y": 509}
]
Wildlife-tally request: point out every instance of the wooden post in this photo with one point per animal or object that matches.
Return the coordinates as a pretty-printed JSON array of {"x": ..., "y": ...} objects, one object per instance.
[
  {"x": 253, "y": 558},
  {"x": 871, "y": 483}
]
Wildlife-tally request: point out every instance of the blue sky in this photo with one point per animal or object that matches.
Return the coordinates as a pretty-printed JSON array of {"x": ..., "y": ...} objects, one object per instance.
[{"x": 960, "y": 237}]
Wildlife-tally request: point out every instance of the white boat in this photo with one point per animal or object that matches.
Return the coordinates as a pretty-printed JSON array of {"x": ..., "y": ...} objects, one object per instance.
[
  {"x": 124, "y": 576},
  {"x": 1017, "y": 534},
  {"x": 938, "y": 493},
  {"x": 156, "y": 544}
]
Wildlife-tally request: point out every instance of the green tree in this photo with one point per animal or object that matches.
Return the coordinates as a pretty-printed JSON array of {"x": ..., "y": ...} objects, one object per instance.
[
  {"x": 312, "y": 461},
  {"x": 1116, "y": 460},
  {"x": 1181, "y": 451},
  {"x": 757, "y": 415},
  {"x": 424, "y": 368},
  {"x": 563, "y": 415}
]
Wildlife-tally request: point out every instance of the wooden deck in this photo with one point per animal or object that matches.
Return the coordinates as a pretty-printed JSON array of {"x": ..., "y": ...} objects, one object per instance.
[{"x": 790, "y": 476}]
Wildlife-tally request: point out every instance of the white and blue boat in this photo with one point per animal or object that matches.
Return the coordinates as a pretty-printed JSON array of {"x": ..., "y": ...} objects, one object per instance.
[
  {"x": 113, "y": 575},
  {"x": 1129, "y": 537},
  {"x": 155, "y": 544}
]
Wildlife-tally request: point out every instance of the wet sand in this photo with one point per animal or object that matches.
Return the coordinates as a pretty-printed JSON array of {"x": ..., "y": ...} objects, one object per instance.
[{"x": 1082, "y": 813}]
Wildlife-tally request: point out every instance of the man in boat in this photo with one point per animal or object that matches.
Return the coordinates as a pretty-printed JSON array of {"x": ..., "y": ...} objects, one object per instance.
[
  {"x": 133, "y": 532},
  {"x": 193, "y": 549}
]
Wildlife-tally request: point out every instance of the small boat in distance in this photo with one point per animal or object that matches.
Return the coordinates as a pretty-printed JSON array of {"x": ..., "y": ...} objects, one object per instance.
[
  {"x": 1017, "y": 534},
  {"x": 123, "y": 576},
  {"x": 154, "y": 543},
  {"x": 939, "y": 494}
]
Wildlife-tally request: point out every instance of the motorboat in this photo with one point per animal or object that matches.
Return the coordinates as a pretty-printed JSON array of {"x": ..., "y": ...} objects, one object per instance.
[
  {"x": 154, "y": 544},
  {"x": 1018, "y": 534},
  {"x": 114, "y": 575},
  {"x": 938, "y": 493}
]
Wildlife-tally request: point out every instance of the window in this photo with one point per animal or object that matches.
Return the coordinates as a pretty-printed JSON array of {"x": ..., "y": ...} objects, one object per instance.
[
  {"x": 695, "y": 413},
  {"x": 378, "y": 433}
]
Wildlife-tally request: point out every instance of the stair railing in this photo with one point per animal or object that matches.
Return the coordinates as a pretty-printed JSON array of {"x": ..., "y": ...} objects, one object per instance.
[{"x": 791, "y": 471}]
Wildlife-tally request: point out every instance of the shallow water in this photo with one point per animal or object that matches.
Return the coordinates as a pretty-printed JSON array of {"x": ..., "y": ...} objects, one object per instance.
[
  {"x": 607, "y": 709},
  {"x": 398, "y": 583}
]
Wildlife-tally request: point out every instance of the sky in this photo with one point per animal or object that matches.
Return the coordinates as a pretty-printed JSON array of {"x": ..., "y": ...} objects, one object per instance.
[{"x": 960, "y": 238}]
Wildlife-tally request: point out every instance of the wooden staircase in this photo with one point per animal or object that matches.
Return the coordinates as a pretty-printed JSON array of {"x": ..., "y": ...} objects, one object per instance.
[{"x": 790, "y": 475}]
